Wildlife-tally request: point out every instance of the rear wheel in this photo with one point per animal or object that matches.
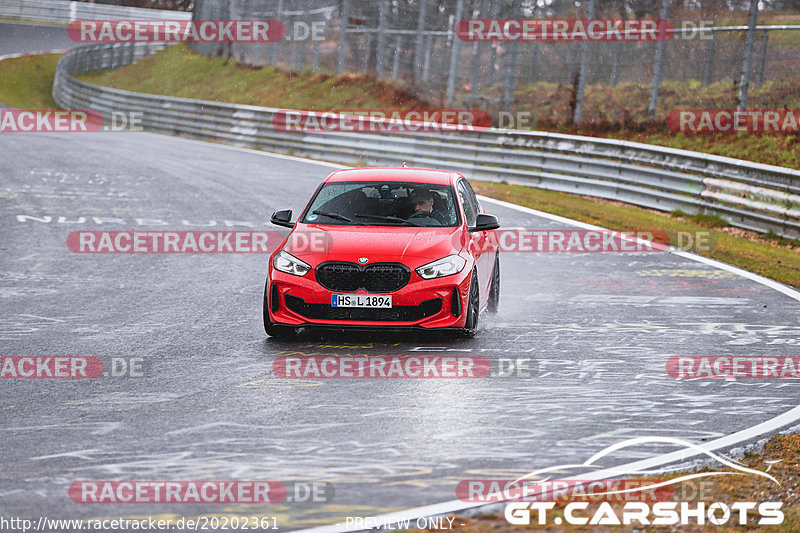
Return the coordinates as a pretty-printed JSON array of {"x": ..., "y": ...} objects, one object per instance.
[
  {"x": 272, "y": 329},
  {"x": 473, "y": 309},
  {"x": 494, "y": 289}
]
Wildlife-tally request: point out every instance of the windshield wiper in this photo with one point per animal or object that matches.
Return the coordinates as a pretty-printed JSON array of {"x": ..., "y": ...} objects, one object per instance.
[
  {"x": 389, "y": 219},
  {"x": 335, "y": 216}
]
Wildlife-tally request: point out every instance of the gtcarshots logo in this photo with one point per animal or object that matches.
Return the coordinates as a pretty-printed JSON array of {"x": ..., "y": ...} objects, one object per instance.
[
  {"x": 382, "y": 120},
  {"x": 56, "y": 121},
  {"x": 642, "y": 512},
  {"x": 176, "y": 31},
  {"x": 559, "y": 30},
  {"x": 72, "y": 367},
  {"x": 200, "y": 492},
  {"x": 659, "y": 513}
]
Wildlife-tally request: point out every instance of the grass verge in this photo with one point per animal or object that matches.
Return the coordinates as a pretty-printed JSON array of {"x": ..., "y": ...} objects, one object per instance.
[
  {"x": 781, "y": 455},
  {"x": 770, "y": 256},
  {"x": 177, "y": 71},
  {"x": 27, "y": 82},
  {"x": 619, "y": 113}
]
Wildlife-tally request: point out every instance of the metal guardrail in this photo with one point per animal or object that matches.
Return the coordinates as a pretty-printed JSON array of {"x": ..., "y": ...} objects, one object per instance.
[
  {"x": 749, "y": 195},
  {"x": 66, "y": 12}
]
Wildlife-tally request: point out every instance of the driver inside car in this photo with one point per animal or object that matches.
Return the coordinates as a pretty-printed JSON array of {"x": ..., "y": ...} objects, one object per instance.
[{"x": 422, "y": 200}]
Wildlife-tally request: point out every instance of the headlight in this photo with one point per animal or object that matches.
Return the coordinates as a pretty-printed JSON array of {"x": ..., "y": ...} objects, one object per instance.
[
  {"x": 288, "y": 263},
  {"x": 446, "y": 266}
]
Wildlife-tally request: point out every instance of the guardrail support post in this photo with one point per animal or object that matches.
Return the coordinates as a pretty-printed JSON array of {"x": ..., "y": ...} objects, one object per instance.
[
  {"x": 344, "y": 18},
  {"x": 577, "y": 115},
  {"x": 510, "y": 84},
  {"x": 398, "y": 42},
  {"x": 273, "y": 47},
  {"x": 381, "y": 48},
  {"x": 708, "y": 68},
  {"x": 475, "y": 69},
  {"x": 658, "y": 66},
  {"x": 367, "y": 51},
  {"x": 744, "y": 83},
  {"x": 418, "y": 48},
  {"x": 534, "y": 62},
  {"x": 455, "y": 48},
  {"x": 762, "y": 61},
  {"x": 426, "y": 65},
  {"x": 295, "y": 51},
  {"x": 615, "y": 63}
]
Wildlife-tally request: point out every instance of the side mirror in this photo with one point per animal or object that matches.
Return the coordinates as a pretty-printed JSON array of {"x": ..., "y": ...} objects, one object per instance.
[
  {"x": 282, "y": 218},
  {"x": 485, "y": 222}
]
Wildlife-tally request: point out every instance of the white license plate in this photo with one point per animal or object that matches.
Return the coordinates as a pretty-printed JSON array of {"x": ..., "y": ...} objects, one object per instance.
[{"x": 361, "y": 300}]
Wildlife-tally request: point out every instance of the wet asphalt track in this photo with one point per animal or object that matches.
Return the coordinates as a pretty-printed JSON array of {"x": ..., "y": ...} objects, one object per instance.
[
  {"x": 599, "y": 327},
  {"x": 17, "y": 38}
]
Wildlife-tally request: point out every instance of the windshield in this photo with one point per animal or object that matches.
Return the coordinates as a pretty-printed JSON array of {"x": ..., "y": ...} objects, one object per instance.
[{"x": 378, "y": 203}]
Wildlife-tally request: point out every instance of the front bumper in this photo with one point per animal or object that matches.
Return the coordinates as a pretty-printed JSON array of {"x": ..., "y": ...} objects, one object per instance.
[{"x": 427, "y": 304}]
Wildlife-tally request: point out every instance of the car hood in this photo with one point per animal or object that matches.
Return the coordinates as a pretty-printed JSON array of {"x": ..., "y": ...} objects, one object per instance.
[{"x": 412, "y": 246}]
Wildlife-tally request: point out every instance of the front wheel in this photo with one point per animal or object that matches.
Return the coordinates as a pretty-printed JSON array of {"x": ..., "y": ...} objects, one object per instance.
[
  {"x": 473, "y": 309},
  {"x": 272, "y": 329}
]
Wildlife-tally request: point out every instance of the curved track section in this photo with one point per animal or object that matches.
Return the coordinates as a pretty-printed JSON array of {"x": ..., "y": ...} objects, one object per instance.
[
  {"x": 20, "y": 37},
  {"x": 599, "y": 327}
]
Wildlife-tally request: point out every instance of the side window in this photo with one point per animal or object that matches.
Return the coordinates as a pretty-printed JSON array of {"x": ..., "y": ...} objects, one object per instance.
[
  {"x": 467, "y": 200},
  {"x": 472, "y": 196}
]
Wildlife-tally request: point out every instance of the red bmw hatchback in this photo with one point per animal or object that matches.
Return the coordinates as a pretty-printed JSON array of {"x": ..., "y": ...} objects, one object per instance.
[{"x": 385, "y": 247}]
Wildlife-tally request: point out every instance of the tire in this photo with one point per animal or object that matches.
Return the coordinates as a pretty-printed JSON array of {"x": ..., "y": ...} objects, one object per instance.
[
  {"x": 473, "y": 309},
  {"x": 271, "y": 329},
  {"x": 494, "y": 288}
]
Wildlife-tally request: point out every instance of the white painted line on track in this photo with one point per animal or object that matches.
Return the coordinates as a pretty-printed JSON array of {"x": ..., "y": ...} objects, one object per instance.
[
  {"x": 780, "y": 287},
  {"x": 25, "y": 54},
  {"x": 29, "y": 22},
  {"x": 257, "y": 152},
  {"x": 454, "y": 506}
]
